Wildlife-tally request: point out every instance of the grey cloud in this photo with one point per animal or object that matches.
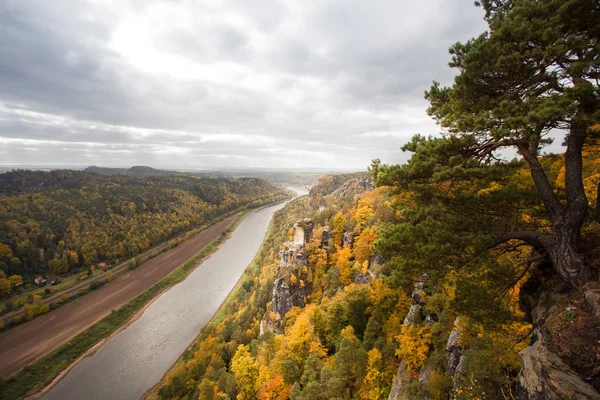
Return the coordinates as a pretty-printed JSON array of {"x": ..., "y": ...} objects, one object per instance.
[
  {"x": 208, "y": 43},
  {"x": 47, "y": 66},
  {"x": 334, "y": 82}
]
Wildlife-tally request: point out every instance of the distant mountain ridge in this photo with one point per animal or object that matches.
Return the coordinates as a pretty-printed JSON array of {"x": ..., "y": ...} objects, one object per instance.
[{"x": 135, "y": 170}]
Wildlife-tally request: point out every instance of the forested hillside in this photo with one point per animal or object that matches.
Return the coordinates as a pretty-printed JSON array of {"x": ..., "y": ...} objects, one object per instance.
[
  {"x": 284, "y": 178},
  {"x": 55, "y": 222},
  {"x": 463, "y": 274},
  {"x": 389, "y": 293}
]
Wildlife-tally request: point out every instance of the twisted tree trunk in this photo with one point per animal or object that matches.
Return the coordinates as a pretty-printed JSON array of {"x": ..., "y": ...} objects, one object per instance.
[
  {"x": 562, "y": 245},
  {"x": 568, "y": 262}
]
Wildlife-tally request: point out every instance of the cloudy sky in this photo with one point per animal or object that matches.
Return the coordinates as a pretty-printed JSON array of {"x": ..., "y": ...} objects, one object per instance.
[{"x": 221, "y": 83}]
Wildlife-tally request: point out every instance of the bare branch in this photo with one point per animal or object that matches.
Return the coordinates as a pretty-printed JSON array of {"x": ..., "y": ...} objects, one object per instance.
[{"x": 535, "y": 239}]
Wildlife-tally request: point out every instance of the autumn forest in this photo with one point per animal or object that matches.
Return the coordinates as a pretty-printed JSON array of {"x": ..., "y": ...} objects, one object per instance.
[
  {"x": 467, "y": 272},
  {"x": 470, "y": 271},
  {"x": 62, "y": 221}
]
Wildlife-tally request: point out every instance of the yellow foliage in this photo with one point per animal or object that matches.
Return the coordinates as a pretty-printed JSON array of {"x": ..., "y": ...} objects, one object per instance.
[
  {"x": 299, "y": 337},
  {"x": 449, "y": 285},
  {"x": 364, "y": 267},
  {"x": 317, "y": 348},
  {"x": 393, "y": 325},
  {"x": 526, "y": 218},
  {"x": 341, "y": 259},
  {"x": 5, "y": 251},
  {"x": 339, "y": 225},
  {"x": 348, "y": 333},
  {"x": 384, "y": 298},
  {"x": 378, "y": 292},
  {"x": 494, "y": 186},
  {"x": 245, "y": 371},
  {"x": 317, "y": 263},
  {"x": 363, "y": 212},
  {"x": 363, "y": 245},
  {"x": 415, "y": 343},
  {"x": 374, "y": 384},
  {"x": 271, "y": 387}
]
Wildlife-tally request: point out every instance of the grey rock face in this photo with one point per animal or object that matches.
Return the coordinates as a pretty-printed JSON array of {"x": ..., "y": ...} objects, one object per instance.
[
  {"x": 453, "y": 349},
  {"x": 426, "y": 373},
  {"x": 282, "y": 299},
  {"x": 403, "y": 378},
  {"x": 414, "y": 315},
  {"x": 325, "y": 237},
  {"x": 363, "y": 185},
  {"x": 454, "y": 353},
  {"x": 292, "y": 257},
  {"x": 348, "y": 239},
  {"x": 545, "y": 376},
  {"x": 592, "y": 297},
  {"x": 303, "y": 230},
  {"x": 377, "y": 260},
  {"x": 361, "y": 279},
  {"x": 366, "y": 185}
]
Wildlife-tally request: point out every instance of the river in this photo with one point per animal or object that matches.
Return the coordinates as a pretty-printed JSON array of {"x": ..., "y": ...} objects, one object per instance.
[{"x": 132, "y": 361}]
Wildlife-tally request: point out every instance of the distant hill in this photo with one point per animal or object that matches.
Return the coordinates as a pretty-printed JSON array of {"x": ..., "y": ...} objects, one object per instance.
[
  {"x": 284, "y": 178},
  {"x": 144, "y": 170},
  {"x": 135, "y": 170},
  {"x": 63, "y": 220},
  {"x": 106, "y": 171}
]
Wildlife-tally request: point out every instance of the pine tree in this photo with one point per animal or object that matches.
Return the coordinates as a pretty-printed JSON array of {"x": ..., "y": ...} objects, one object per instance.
[{"x": 536, "y": 70}]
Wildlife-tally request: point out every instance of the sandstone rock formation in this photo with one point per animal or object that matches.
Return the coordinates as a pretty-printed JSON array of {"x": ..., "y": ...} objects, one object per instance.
[
  {"x": 560, "y": 362},
  {"x": 366, "y": 185},
  {"x": 362, "y": 185},
  {"x": 453, "y": 348},
  {"x": 325, "y": 237},
  {"x": 288, "y": 290},
  {"x": 348, "y": 239},
  {"x": 303, "y": 231},
  {"x": 546, "y": 376},
  {"x": 592, "y": 297},
  {"x": 403, "y": 378},
  {"x": 413, "y": 317}
]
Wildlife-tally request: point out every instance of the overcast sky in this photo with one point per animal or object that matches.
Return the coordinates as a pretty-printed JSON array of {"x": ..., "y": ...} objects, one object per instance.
[{"x": 221, "y": 83}]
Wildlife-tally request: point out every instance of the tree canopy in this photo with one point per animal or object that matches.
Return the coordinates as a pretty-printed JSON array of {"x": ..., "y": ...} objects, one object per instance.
[
  {"x": 533, "y": 73},
  {"x": 54, "y": 222}
]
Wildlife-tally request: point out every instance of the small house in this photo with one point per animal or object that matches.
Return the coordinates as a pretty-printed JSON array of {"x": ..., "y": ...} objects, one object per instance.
[
  {"x": 102, "y": 265},
  {"x": 39, "y": 280}
]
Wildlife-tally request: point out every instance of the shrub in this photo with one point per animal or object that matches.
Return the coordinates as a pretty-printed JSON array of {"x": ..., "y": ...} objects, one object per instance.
[{"x": 95, "y": 285}]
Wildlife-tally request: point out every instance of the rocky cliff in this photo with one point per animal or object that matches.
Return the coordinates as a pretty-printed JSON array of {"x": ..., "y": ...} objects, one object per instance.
[
  {"x": 562, "y": 361},
  {"x": 289, "y": 288},
  {"x": 416, "y": 316},
  {"x": 563, "y": 358}
]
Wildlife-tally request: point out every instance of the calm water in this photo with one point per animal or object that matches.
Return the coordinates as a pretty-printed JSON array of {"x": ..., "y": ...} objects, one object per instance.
[{"x": 133, "y": 361}]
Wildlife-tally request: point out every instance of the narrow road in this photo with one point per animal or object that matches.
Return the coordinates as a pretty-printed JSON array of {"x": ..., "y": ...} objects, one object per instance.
[
  {"x": 26, "y": 343},
  {"x": 84, "y": 284}
]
